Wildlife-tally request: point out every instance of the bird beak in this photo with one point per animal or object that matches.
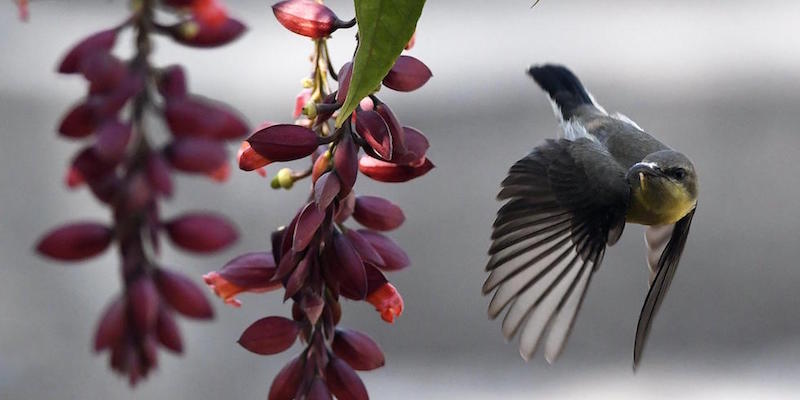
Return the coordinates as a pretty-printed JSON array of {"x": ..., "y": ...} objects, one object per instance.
[{"x": 645, "y": 168}]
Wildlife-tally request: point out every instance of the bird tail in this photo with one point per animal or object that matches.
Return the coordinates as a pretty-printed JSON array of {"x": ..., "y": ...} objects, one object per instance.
[{"x": 565, "y": 89}]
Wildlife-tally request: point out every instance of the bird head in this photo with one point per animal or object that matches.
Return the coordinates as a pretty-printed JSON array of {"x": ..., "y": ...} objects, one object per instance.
[{"x": 666, "y": 183}]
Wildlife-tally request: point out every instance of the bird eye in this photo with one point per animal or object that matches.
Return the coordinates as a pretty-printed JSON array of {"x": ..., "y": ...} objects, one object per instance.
[{"x": 678, "y": 173}]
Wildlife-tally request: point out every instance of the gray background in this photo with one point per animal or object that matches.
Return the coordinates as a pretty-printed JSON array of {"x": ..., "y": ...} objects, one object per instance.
[{"x": 716, "y": 79}]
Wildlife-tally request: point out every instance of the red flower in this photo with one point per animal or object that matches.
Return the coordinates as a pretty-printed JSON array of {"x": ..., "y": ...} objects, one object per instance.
[
  {"x": 387, "y": 301},
  {"x": 227, "y": 290}
]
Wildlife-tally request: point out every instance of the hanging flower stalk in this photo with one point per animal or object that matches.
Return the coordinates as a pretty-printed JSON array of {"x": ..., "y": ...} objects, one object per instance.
[
  {"x": 130, "y": 173},
  {"x": 318, "y": 259}
]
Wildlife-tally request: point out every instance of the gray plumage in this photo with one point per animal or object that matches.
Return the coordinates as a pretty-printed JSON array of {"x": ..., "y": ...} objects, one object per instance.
[{"x": 570, "y": 199}]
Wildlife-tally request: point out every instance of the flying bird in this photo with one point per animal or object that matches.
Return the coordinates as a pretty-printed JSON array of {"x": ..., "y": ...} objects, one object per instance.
[{"x": 567, "y": 201}]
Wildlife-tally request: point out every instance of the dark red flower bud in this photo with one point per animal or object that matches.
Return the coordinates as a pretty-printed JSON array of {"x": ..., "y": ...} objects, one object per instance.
[
  {"x": 298, "y": 277},
  {"x": 318, "y": 390},
  {"x": 396, "y": 130},
  {"x": 195, "y": 33},
  {"x": 89, "y": 167},
  {"x": 345, "y": 208},
  {"x": 325, "y": 190},
  {"x": 285, "y": 384},
  {"x": 112, "y": 140},
  {"x": 364, "y": 248},
  {"x": 348, "y": 269},
  {"x": 143, "y": 300},
  {"x": 416, "y": 147},
  {"x": 407, "y": 74},
  {"x": 209, "y": 12},
  {"x": 343, "y": 381},
  {"x": 357, "y": 349},
  {"x": 388, "y": 172},
  {"x": 250, "y": 270},
  {"x": 394, "y": 258},
  {"x": 101, "y": 41},
  {"x": 310, "y": 219},
  {"x": 284, "y": 142},
  {"x": 106, "y": 105},
  {"x": 188, "y": 116},
  {"x": 378, "y": 213},
  {"x": 201, "y": 232},
  {"x": 112, "y": 325},
  {"x": 270, "y": 335},
  {"x": 345, "y": 73},
  {"x": 307, "y": 18},
  {"x": 375, "y": 131},
  {"x": 167, "y": 331},
  {"x": 345, "y": 163},
  {"x": 158, "y": 174},
  {"x": 76, "y": 241},
  {"x": 172, "y": 82},
  {"x": 79, "y": 122},
  {"x": 375, "y": 279},
  {"x": 103, "y": 71},
  {"x": 196, "y": 155},
  {"x": 183, "y": 295}
]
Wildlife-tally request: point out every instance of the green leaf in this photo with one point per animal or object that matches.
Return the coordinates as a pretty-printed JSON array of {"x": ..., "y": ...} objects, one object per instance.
[{"x": 384, "y": 28}]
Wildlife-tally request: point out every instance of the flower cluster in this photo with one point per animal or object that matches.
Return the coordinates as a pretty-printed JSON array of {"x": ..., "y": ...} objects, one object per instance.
[
  {"x": 316, "y": 258},
  {"x": 130, "y": 173}
]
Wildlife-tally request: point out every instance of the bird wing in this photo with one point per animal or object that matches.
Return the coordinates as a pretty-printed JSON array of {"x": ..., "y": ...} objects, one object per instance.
[
  {"x": 663, "y": 258},
  {"x": 566, "y": 203}
]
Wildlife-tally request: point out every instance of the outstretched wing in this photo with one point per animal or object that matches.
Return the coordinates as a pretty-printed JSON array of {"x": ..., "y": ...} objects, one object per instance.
[
  {"x": 668, "y": 255},
  {"x": 566, "y": 203}
]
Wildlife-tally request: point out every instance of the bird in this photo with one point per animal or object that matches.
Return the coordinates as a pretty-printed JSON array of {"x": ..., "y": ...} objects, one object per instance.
[{"x": 570, "y": 199}]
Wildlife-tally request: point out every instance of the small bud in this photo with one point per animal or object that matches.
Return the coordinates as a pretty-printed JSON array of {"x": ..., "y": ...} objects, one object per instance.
[
  {"x": 75, "y": 241},
  {"x": 394, "y": 258},
  {"x": 183, "y": 295},
  {"x": 343, "y": 381},
  {"x": 407, "y": 74},
  {"x": 285, "y": 179},
  {"x": 285, "y": 384},
  {"x": 307, "y": 83},
  {"x": 284, "y": 142},
  {"x": 275, "y": 183},
  {"x": 101, "y": 41},
  {"x": 357, "y": 349},
  {"x": 270, "y": 335},
  {"x": 378, "y": 213},
  {"x": 201, "y": 232},
  {"x": 307, "y": 18},
  {"x": 195, "y": 33},
  {"x": 310, "y": 110}
]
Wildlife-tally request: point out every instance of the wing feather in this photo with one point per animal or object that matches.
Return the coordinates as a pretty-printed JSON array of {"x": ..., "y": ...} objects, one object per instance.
[
  {"x": 549, "y": 237},
  {"x": 665, "y": 271}
]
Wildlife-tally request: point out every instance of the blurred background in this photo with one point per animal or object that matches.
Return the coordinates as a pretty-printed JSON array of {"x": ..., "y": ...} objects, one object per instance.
[{"x": 718, "y": 80}]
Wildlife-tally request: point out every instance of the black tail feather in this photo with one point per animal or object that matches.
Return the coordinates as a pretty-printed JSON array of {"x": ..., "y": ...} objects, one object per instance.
[{"x": 564, "y": 88}]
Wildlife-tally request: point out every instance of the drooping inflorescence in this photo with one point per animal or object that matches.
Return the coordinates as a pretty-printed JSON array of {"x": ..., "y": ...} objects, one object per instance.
[
  {"x": 129, "y": 169},
  {"x": 317, "y": 258}
]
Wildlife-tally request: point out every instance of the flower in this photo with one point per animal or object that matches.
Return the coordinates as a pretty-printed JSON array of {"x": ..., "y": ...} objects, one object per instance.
[
  {"x": 387, "y": 301},
  {"x": 227, "y": 290}
]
